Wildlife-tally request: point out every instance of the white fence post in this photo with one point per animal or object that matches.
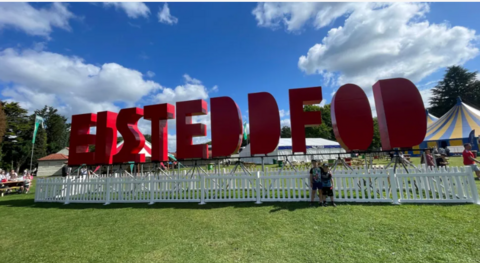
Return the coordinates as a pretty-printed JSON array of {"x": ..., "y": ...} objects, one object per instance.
[
  {"x": 202, "y": 187},
  {"x": 107, "y": 199},
  {"x": 471, "y": 182},
  {"x": 393, "y": 185},
  {"x": 37, "y": 189},
  {"x": 152, "y": 192},
  {"x": 257, "y": 184},
  {"x": 67, "y": 198}
]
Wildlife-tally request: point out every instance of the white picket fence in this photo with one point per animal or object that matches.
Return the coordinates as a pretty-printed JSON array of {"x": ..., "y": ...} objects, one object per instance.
[{"x": 453, "y": 185}]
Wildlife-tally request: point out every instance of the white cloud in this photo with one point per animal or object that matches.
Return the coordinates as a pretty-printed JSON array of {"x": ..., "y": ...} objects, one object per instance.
[
  {"x": 284, "y": 113},
  {"x": 192, "y": 89},
  {"x": 38, "y": 78},
  {"x": 165, "y": 17},
  {"x": 37, "y": 22},
  {"x": 39, "y": 46},
  {"x": 322, "y": 103},
  {"x": 150, "y": 74},
  {"x": 285, "y": 122},
  {"x": 133, "y": 9},
  {"x": 478, "y": 76},
  {"x": 392, "y": 41},
  {"x": 295, "y": 15}
]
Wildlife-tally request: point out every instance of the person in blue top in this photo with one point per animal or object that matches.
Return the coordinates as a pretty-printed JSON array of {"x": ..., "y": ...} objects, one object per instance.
[
  {"x": 327, "y": 184},
  {"x": 315, "y": 182}
]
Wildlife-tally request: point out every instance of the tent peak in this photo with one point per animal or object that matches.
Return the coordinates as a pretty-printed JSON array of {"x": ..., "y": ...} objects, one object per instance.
[{"x": 459, "y": 100}]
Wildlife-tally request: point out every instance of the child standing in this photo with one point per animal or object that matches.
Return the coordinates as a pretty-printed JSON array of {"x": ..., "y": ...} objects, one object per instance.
[
  {"x": 327, "y": 184},
  {"x": 315, "y": 182}
]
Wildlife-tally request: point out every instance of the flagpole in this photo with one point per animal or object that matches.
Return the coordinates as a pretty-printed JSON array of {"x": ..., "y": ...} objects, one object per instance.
[
  {"x": 31, "y": 157},
  {"x": 33, "y": 143}
]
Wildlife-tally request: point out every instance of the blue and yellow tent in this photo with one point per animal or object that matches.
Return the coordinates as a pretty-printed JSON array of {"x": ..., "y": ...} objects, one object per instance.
[
  {"x": 453, "y": 128},
  {"x": 430, "y": 118}
]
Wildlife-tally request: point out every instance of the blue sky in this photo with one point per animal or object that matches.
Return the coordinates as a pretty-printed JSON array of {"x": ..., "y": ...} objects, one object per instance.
[{"x": 83, "y": 57}]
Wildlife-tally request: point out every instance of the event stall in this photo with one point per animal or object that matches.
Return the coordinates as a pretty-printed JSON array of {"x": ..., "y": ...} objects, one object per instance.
[
  {"x": 317, "y": 149},
  {"x": 453, "y": 129}
]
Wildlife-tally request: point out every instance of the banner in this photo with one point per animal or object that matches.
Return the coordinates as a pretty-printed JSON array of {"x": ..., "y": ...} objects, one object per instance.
[
  {"x": 38, "y": 121},
  {"x": 245, "y": 131},
  {"x": 471, "y": 139}
]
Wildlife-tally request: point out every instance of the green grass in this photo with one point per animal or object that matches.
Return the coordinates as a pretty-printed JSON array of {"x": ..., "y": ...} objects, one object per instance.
[{"x": 236, "y": 232}]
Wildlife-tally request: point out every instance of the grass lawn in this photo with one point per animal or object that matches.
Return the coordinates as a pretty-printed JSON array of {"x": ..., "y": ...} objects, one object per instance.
[{"x": 237, "y": 232}]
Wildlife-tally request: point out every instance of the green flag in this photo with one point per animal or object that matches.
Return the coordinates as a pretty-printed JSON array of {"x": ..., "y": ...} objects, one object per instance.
[
  {"x": 38, "y": 121},
  {"x": 245, "y": 131}
]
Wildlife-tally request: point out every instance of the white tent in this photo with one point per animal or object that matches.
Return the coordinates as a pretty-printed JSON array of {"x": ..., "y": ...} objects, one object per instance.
[{"x": 317, "y": 149}]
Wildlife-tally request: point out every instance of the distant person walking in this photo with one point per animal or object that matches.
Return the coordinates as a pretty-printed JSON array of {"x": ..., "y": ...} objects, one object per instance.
[{"x": 469, "y": 159}]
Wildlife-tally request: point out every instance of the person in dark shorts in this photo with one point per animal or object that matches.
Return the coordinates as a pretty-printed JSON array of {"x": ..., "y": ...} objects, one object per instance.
[
  {"x": 315, "y": 182},
  {"x": 327, "y": 184},
  {"x": 441, "y": 161}
]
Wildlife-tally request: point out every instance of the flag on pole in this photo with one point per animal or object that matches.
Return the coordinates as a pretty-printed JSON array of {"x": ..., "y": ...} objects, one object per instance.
[
  {"x": 245, "y": 131},
  {"x": 38, "y": 121}
]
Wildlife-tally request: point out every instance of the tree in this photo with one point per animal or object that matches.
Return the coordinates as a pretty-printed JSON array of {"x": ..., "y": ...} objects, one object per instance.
[
  {"x": 3, "y": 122},
  {"x": 16, "y": 150},
  {"x": 376, "y": 143},
  {"x": 457, "y": 82},
  {"x": 148, "y": 137},
  {"x": 56, "y": 129},
  {"x": 325, "y": 129},
  {"x": 286, "y": 132}
]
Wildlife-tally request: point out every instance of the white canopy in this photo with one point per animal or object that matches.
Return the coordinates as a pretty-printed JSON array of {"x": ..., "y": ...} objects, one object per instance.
[{"x": 317, "y": 148}]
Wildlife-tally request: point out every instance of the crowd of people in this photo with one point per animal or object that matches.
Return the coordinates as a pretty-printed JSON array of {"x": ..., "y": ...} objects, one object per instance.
[
  {"x": 12, "y": 176},
  {"x": 435, "y": 157}
]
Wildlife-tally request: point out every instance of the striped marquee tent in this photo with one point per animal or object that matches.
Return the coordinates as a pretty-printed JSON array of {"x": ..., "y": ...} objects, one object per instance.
[
  {"x": 453, "y": 129},
  {"x": 430, "y": 118}
]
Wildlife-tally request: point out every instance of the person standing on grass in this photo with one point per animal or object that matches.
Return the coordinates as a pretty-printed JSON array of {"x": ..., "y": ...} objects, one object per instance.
[
  {"x": 429, "y": 156},
  {"x": 315, "y": 183},
  {"x": 327, "y": 185},
  {"x": 441, "y": 161},
  {"x": 469, "y": 160}
]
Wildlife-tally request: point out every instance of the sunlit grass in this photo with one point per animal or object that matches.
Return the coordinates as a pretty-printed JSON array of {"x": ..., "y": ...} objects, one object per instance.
[{"x": 236, "y": 232}]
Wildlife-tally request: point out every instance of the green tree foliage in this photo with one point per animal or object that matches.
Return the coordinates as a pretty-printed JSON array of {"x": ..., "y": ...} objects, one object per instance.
[
  {"x": 148, "y": 137},
  {"x": 325, "y": 129},
  {"x": 56, "y": 129},
  {"x": 3, "y": 122},
  {"x": 457, "y": 82},
  {"x": 15, "y": 151},
  {"x": 286, "y": 132},
  {"x": 376, "y": 143}
]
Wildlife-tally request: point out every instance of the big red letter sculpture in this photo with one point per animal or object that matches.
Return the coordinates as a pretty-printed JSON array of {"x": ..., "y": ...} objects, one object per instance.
[
  {"x": 158, "y": 115},
  {"x": 80, "y": 139},
  {"x": 301, "y": 119},
  {"x": 401, "y": 113},
  {"x": 352, "y": 118},
  {"x": 226, "y": 126},
  {"x": 264, "y": 123},
  {"x": 134, "y": 140},
  {"x": 106, "y": 139},
  {"x": 186, "y": 130}
]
